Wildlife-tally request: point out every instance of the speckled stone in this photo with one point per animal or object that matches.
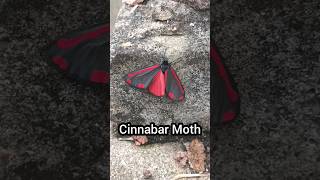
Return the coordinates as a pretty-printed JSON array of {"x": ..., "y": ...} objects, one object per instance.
[{"x": 138, "y": 42}]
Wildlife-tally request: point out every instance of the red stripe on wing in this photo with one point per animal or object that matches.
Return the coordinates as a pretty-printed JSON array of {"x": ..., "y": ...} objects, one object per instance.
[
  {"x": 142, "y": 71},
  {"x": 141, "y": 86},
  {"x": 129, "y": 81},
  {"x": 61, "y": 62},
  {"x": 228, "y": 116},
  {"x": 232, "y": 94},
  {"x": 171, "y": 95},
  {"x": 69, "y": 43},
  {"x": 99, "y": 77}
]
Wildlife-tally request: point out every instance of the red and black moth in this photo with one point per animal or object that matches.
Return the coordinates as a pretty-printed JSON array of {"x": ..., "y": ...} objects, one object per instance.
[
  {"x": 226, "y": 101},
  {"x": 159, "y": 80},
  {"x": 83, "y": 54}
]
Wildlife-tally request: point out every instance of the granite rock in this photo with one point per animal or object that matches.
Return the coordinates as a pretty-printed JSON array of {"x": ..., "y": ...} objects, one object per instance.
[
  {"x": 197, "y": 4},
  {"x": 139, "y": 41}
]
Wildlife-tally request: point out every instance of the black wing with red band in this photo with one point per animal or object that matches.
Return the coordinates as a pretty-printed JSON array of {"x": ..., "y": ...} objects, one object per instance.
[
  {"x": 157, "y": 80},
  {"x": 225, "y": 96},
  {"x": 174, "y": 88},
  {"x": 83, "y": 54},
  {"x": 142, "y": 79}
]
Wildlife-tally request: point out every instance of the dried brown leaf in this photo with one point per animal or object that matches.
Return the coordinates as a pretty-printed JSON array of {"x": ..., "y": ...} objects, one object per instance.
[
  {"x": 140, "y": 140},
  {"x": 196, "y": 155}
]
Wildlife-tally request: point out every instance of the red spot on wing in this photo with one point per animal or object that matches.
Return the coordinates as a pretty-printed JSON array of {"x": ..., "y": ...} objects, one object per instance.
[
  {"x": 171, "y": 95},
  {"x": 228, "y": 116},
  {"x": 142, "y": 71},
  {"x": 158, "y": 85},
  {"x": 141, "y": 86},
  {"x": 129, "y": 81},
  {"x": 61, "y": 62},
  {"x": 69, "y": 43},
  {"x": 232, "y": 94},
  {"x": 99, "y": 76}
]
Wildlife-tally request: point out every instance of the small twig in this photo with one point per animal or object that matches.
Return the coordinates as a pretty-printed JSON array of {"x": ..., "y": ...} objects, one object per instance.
[
  {"x": 179, "y": 176},
  {"x": 171, "y": 34},
  {"x": 134, "y": 8},
  {"x": 126, "y": 139}
]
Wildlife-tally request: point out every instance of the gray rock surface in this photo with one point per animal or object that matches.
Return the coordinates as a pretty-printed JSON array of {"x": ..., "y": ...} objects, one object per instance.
[
  {"x": 197, "y": 4},
  {"x": 140, "y": 40},
  {"x": 128, "y": 161}
]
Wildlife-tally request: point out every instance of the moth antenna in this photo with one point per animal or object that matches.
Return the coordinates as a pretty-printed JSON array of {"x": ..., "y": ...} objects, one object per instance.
[{"x": 163, "y": 56}]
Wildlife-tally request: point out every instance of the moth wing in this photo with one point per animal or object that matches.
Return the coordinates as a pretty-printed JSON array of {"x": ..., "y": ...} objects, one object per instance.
[
  {"x": 225, "y": 96},
  {"x": 82, "y": 54},
  {"x": 141, "y": 79},
  {"x": 174, "y": 88}
]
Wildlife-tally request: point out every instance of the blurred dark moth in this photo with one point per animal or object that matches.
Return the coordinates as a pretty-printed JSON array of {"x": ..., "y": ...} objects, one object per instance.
[
  {"x": 226, "y": 100},
  {"x": 82, "y": 54}
]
